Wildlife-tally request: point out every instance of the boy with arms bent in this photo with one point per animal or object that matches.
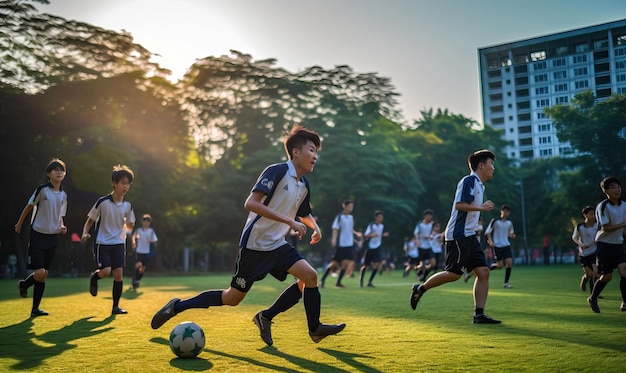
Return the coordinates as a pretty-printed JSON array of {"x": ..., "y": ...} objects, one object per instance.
[
  {"x": 463, "y": 251},
  {"x": 280, "y": 194}
]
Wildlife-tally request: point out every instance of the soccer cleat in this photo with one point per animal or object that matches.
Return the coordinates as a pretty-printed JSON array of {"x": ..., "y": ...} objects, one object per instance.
[
  {"x": 360, "y": 284},
  {"x": 21, "y": 284},
  {"x": 37, "y": 312},
  {"x": 415, "y": 296},
  {"x": 484, "y": 319},
  {"x": 118, "y": 311},
  {"x": 466, "y": 276},
  {"x": 623, "y": 307},
  {"x": 324, "y": 330},
  {"x": 593, "y": 302},
  {"x": 507, "y": 285},
  {"x": 93, "y": 284},
  {"x": 370, "y": 285},
  {"x": 340, "y": 285},
  {"x": 164, "y": 314},
  {"x": 265, "y": 327},
  {"x": 583, "y": 283},
  {"x": 135, "y": 285}
]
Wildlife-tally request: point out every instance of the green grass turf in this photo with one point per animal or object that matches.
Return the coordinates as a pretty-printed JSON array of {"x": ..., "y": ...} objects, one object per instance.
[{"x": 547, "y": 327}]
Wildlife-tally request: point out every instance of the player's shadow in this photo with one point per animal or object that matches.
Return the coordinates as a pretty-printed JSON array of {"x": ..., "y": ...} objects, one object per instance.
[
  {"x": 30, "y": 355},
  {"x": 309, "y": 365},
  {"x": 131, "y": 294},
  {"x": 350, "y": 359}
]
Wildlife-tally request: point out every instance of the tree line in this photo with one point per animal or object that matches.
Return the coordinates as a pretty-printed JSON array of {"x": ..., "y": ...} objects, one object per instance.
[{"x": 94, "y": 98}]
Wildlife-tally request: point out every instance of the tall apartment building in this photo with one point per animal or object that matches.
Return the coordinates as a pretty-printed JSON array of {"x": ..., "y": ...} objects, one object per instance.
[{"x": 519, "y": 79}]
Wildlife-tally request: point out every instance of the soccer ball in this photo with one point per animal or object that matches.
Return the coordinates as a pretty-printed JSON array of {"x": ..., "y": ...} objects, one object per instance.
[{"x": 187, "y": 339}]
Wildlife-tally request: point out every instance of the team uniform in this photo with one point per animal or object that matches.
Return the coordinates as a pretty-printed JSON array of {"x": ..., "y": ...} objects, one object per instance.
[
  {"x": 463, "y": 251},
  {"x": 145, "y": 240},
  {"x": 373, "y": 254},
  {"x": 49, "y": 207},
  {"x": 262, "y": 247},
  {"x": 586, "y": 235},
  {"x": 610, "y": 245},
  {"x": 436, "y": 247},
  {"x": 109, "y": 248},
  {"x": 499, "y": 230},
  {"x": 345, "y": 238},
  {"x": 412, "y": 256},
  {"x": 424, "y": 231}
]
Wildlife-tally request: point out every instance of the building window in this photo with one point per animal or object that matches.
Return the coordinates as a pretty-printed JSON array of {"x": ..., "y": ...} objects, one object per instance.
[
  {"x": 621, "y": 90},
  {"x": 581, "y": 71},
  {"x": 506, "y": 61},
  {"x": 541, "y": 78},
  {"x": 620, "y": 40},
  {"x": 538, "y": 56},
  {"x": 560, "y": 87},
  {"x": 541, "y": 115},
  {"x": 620, "y": 65},
  {"x": 543, "y": 90},
  {"x": 544, "y": 127},
  {"x": 582, "y": 47},
  {"x": 562, "y": 74},
  {"x": 581, "y": 84},
  {"x": 620, "y": 78},
  {"x": 581, "y": 58},
  {"x": 545, "y": 152},
  {"x": 558, "y": 62},
  {"x": 539, "y": 65},
  {"x": 620, "y": 52},
  {"x": 562, "y": 100},
  {"x": 598, "y": 44},
  {"x": 543, "y": 103}
]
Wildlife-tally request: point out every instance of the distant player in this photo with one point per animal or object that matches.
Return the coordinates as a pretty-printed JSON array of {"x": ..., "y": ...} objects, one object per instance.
[
  {"x": 144, "y": 241},
  {"x": 373, "y": 256},
  {"x": 48, "y": 204},
  {"x": 584, "y": 236},
  {"x": 611, "y": 217},
  {"x": 498, "y": 233},
  {"x": 422, "y": 233}
]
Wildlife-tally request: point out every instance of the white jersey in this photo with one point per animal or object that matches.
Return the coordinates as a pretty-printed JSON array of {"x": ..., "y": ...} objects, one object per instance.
[
  {"x": 435, "y": 243},
  {"x": 500, "y": 230},
  {"x": 411, "y": 249},
  {"x": 586, "y": 235},
  {"x": 345, "y": 225},
  {"x": 423, "y": 231},
  {"x": 111, "y": 218},
  {"x": 463, "y": 223},
  {"x": 143, "y": 238},
  {"x": 49, "y": 206},
  {"x": 608, "y": 213},
  {"x": 375, "y": 242}
]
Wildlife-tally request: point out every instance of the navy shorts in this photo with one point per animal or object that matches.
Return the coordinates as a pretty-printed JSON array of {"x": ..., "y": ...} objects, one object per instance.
[
  {"x": 609, "y": 256},
  {"x": 113, "y": 256},
  {"x": 253, "y": 265},
  {"x": 41, "y": 249},
  {"x": 412, "y": 260},
  {"x": 373, "y": 256},
  {"x": 464, "y": 254},
  {"x": 587, "y": 261},
  {"x": 143, "y": 258},
  {"x": 501, "y": 253},
  {"x": 344, "y": 253},
  {"x": 425, "y": 254}
]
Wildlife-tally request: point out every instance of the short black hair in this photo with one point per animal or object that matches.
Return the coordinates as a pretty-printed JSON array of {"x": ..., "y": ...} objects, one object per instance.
[
  {"x": 378, "y": 212},
  {"x": 427, "y": 211},
  {"x": 607, "y": 181},
  {"x": 54, "y": 164},
  {"x": 587, "y": 208},
  {"x": 505, "y": 207},
  {"x": 478, "y": 157},
  {"x": 121, "y": 171},
  {"x": 347, "y": 202},
  {"x": 298, "y": 137}
]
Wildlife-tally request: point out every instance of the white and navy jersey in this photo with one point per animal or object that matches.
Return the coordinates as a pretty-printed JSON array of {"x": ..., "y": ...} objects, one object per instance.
[
  {"x": 423, "y": 231},
  {"x": 499, "y": 230},
  {"x": 375, "y": 242},
  {"x": 586, "y": 235},
  {"x": 608, "y": 213},
  {"x": 463, "y": 223},
  {"x": 286, "y": 195},
  {"x": 435, "y": 243},
  {"x": 49, "y": 206},
  {"x": 143, "y": 238},
  {"x": 411, "y": 249},
  {"x": 111, "y": 218},
  {"x": 345, "y": 225}
]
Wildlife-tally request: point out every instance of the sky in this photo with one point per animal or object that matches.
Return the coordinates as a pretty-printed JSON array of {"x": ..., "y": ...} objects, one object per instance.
[{"x": 428, "y": 48}]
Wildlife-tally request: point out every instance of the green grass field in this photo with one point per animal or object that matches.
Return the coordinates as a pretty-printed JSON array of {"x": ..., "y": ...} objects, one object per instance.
[{"x": 547, "y": 327}]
